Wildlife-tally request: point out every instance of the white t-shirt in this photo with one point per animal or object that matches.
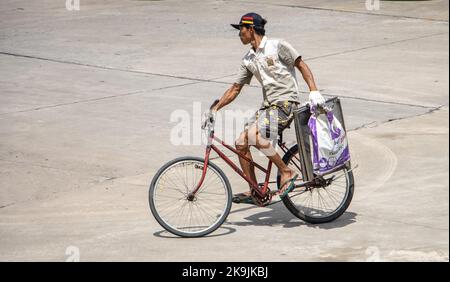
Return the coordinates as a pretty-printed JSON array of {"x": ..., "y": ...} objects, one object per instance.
[{"x": 273, "y": 65}]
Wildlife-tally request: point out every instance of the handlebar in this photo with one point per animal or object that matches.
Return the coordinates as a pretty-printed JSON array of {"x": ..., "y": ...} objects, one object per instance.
[{"x": 208, "y": 123}]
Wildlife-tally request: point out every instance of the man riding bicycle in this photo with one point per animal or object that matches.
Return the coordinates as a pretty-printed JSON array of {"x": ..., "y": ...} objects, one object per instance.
[{"x": 273, "y": 63}]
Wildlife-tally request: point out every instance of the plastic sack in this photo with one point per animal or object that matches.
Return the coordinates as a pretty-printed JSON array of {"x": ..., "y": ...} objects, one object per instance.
[{"x": 329, "y": 142}]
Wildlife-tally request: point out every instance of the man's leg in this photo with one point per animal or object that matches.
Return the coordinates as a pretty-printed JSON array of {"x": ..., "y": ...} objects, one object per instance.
[
  {"x": 243, "y": 148},
  {"x": 264, "y": 145}
]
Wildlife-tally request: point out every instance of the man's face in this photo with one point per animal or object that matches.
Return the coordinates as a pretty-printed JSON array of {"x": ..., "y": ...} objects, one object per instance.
[{"x": 246, "y": 34}]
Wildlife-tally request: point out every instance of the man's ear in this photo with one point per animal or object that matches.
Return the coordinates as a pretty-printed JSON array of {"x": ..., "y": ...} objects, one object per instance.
[{"x": 253, "y": 33}]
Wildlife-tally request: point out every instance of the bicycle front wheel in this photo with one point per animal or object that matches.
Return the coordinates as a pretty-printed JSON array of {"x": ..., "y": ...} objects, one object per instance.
[
  {"x": 323, "y": 202},
  {"x": 180, "y": 214}
]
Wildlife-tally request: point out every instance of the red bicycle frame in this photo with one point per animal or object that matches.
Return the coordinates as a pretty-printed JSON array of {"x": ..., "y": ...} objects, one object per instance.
[{"x": 262, "y": 192}]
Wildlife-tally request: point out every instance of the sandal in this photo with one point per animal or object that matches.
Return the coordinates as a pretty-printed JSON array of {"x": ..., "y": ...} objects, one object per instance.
[
  {"x": 242, "y": 198},
  {"x": 290, "y": 187}
]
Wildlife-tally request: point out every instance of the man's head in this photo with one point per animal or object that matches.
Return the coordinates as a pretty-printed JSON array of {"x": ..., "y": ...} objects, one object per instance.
[{"x": 250, "y": 26}]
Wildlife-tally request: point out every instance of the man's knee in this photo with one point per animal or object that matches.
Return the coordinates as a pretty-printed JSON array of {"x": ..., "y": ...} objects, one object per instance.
[
  {"x": 252, "y": 136},
  {"x": 241, "y": 143},
  {"x": 255, "y": 139}
]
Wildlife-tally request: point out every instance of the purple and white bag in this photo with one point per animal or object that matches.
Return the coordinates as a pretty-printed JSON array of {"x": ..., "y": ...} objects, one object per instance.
[{"x": 330, "y": 147}]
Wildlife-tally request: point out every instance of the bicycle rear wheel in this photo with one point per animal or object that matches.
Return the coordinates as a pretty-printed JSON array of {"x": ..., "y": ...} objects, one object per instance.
[
  {"x": 323, "y": 202},
  {"x": 184, "y": 216}
]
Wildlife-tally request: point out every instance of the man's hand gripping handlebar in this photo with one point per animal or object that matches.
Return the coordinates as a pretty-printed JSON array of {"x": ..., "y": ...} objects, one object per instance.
[{"x": 209, "y": 116}]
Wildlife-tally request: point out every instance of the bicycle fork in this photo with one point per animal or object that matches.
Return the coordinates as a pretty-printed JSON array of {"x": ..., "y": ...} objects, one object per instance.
[{"x": 191, "y": 195}]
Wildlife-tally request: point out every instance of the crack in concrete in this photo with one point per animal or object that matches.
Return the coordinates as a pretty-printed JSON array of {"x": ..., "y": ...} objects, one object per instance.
[
  {"x": 346, "y": 11},
  {"x": 7, "y": 205},
  {"x": 379, "y": 101},
  {"x": 96, "y": 99},
  {"x": 108, "y": 68},
  {"x": 72, "y": 103},
  {"x": 56, "y": 194},
  {"x": 377, "y": 45},
  {"x": 58, "y": 169},
  {"x": 376, "y": 124}
]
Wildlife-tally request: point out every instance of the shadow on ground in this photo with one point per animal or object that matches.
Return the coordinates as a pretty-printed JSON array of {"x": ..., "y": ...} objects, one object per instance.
[
  {"x": 280, "y": 215},
  {"x": 221, "y": 231},
  {"x": 276, "y": 215}
]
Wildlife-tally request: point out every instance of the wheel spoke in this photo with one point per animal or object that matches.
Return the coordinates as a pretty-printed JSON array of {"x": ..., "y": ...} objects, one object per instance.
[
  {"x": 190, "y": 216},
  {"x": 320, "y": 202}
]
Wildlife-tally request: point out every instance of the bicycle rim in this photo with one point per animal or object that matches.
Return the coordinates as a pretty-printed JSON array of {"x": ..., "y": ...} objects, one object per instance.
[
  {"x": 319, "y": 204},
  {"x": 176, "y": 213},
  {"x": 323, "y": 202}
]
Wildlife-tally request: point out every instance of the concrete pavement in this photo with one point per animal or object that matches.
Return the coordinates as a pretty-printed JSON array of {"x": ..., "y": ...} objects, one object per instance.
[{"x": 85, "y": 105}]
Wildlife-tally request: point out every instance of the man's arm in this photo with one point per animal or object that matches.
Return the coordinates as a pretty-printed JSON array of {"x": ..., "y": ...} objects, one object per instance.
[
  {"x": 228, "y": 96},
  {"x": 315, "y": 98},
  {"x": 306, "y": 73}
]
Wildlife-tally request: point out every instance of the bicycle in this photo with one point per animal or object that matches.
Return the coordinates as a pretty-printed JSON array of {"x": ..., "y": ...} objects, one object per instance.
[{"x": 192, "y": 197}]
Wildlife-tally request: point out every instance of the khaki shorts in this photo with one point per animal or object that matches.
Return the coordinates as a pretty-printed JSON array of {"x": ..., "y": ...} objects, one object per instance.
[{"x": 272, "y": 120}]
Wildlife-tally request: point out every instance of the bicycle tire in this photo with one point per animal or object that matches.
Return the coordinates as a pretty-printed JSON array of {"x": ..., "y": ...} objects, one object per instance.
[
  {"x": 163, "y": 222},
  {"x": 298, "y": 210}
]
